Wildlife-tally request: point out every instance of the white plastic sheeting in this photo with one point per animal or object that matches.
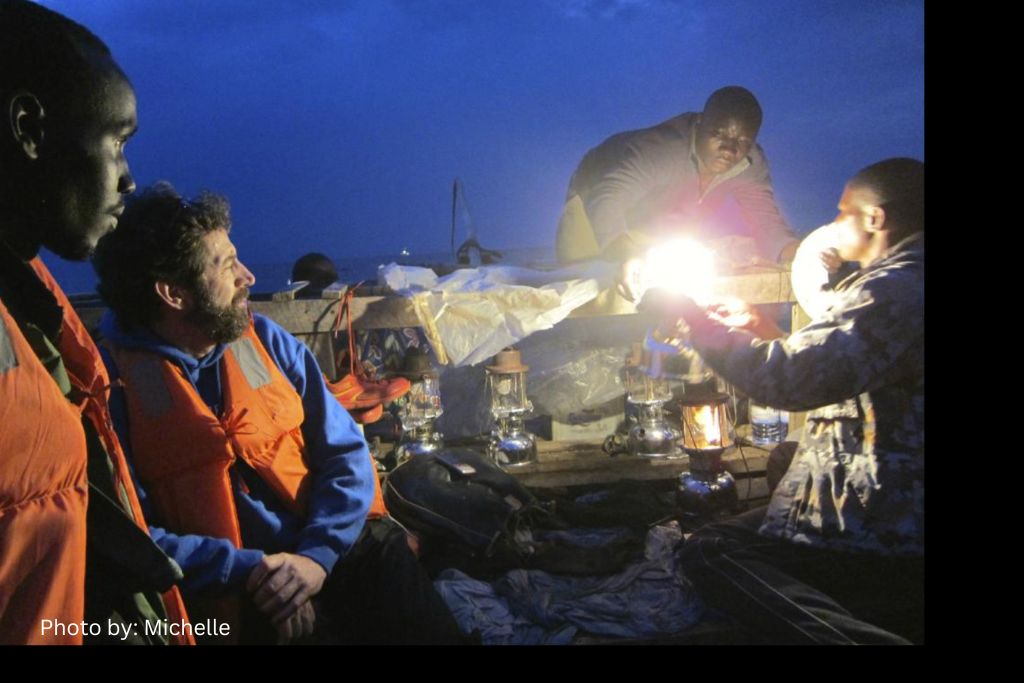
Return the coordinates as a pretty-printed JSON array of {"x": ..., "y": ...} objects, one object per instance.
[{"x": 471, "y": 314}]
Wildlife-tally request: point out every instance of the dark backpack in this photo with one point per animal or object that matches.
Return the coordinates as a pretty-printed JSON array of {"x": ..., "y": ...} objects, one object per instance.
[{"x": 473, "y": 516}]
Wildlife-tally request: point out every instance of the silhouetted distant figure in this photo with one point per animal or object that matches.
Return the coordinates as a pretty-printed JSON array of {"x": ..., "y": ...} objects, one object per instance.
[{"x": 318, "y": 270}]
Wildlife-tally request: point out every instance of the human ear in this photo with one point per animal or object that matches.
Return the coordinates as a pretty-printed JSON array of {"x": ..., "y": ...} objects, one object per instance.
[
  {"x": 876, "y": 218},
  {"x": 174, "y": 296},
  {"x": 26, "y": 119}
]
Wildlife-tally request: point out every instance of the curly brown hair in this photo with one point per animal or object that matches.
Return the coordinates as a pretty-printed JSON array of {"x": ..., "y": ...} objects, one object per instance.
[{"x": 159, "y": 238}]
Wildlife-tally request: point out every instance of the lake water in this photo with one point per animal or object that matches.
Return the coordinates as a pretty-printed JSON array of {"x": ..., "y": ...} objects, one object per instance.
[
  {"x": 272, "y": 276},
  {"x": 79, "y": 278}
]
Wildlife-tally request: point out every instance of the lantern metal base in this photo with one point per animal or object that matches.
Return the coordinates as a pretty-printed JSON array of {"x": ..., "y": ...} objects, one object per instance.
[
  {"x": 512, "y": 449},
  {"x": 652, "y": 436},
  {"x": 420, "y": 444},
  {"x": 650, "y": 439},
  {"x": 708, "y": 488}
]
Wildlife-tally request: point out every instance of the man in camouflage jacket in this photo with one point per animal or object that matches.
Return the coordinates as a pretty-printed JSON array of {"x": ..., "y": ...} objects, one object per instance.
[{"x": 837, "y": 556}]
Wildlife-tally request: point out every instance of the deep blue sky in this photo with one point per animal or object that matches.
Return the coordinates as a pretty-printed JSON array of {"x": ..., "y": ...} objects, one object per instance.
[{"x": 338, "y": 125}]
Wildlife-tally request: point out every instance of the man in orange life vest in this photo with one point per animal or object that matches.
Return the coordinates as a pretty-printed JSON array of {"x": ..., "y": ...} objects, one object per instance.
[
  {"x": 260, "y": 482},
  {"x": 73, "y": 542}
]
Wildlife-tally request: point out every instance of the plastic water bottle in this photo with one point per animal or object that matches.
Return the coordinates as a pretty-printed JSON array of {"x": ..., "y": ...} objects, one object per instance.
[{"x": 768, "y": 426}]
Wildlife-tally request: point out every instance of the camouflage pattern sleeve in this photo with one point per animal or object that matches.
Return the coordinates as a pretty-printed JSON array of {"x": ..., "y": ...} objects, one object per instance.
[{"x": 870, "y": 338}]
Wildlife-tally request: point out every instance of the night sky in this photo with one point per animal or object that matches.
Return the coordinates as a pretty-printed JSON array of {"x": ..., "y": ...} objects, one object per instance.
[{"x": 339, "y": 125}]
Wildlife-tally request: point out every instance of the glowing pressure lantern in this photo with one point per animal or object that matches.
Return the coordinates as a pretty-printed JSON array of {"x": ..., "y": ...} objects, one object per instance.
[
  {"x": 681, "y": 266},
  {"x": 707, "y": 432}
]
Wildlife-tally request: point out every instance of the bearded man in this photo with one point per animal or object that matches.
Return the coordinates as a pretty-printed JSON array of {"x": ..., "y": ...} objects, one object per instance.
[{"x": 257, "y": 481}]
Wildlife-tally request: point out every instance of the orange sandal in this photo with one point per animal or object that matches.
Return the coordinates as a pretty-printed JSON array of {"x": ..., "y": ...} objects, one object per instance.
[
  {"x": 368, "y": 415},
  {"x": 355, "y": 391}
]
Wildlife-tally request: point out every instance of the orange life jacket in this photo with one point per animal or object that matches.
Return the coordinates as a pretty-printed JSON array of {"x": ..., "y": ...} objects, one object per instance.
[
  {"x": 43, "y": 498},
  {"x": 183, "y": 452},
  {"x": 89, "y": 376}
]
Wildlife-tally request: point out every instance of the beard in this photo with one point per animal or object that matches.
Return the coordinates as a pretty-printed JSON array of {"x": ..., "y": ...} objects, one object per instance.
[{"x": 223, "y": 324}]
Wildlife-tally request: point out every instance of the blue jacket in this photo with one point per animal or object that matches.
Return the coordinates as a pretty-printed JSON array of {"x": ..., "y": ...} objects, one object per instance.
[{"x": 337, "y": 456}]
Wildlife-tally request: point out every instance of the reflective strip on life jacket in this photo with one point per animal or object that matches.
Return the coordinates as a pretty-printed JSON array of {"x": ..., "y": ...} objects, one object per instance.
[
  {"x": 255, "y": 372},
  {"x": 8, "y": 358}
]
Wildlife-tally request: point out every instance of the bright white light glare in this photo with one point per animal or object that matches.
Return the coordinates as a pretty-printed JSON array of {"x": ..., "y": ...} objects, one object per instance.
[{"x": 681, "y": 266}]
